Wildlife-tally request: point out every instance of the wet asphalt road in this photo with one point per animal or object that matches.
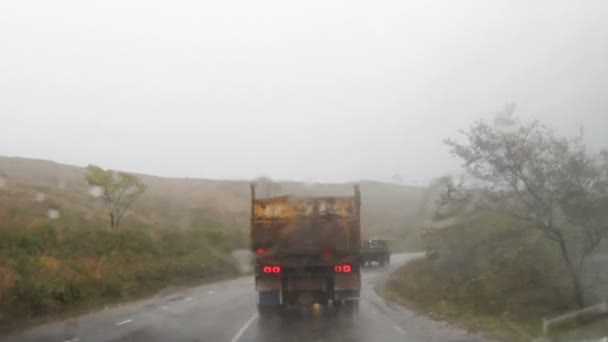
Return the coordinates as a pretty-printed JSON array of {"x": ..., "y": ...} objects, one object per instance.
[{"x": 226, "y": 312}]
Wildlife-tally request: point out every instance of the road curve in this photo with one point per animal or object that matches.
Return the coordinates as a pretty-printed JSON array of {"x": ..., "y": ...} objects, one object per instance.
[{"x": 226, "y": 311}]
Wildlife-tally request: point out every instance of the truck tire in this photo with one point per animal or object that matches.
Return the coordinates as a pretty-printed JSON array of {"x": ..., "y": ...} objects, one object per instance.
[
  {"x": 349, "y": 308},
  {"x": 268, "y": 311}
]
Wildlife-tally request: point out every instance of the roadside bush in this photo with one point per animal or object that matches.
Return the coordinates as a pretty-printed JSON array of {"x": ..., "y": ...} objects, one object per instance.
[
  {"x": 485, "y": 266},
  {"x": 55, "y": 268}
]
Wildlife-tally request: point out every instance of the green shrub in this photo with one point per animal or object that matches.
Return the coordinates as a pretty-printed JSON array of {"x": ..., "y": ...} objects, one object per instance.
[
  {"x": 60, "y": 267},
  {"x": 484, "y": 266}
]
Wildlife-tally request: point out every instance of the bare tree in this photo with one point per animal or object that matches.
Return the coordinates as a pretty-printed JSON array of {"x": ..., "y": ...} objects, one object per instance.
[
  {"x": 118, "y": 191},
  {"x": 551, "y": 184}
]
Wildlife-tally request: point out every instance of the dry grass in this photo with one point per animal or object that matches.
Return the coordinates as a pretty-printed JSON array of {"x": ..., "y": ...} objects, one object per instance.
[
  {"x": 50, "y": 266},
  {"x": 387, "y": 209},
  {"x": 486, "y": 270}
]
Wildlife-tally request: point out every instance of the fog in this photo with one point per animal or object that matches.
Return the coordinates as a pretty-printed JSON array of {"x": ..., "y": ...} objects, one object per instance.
[{"x": 308, "y": 90}]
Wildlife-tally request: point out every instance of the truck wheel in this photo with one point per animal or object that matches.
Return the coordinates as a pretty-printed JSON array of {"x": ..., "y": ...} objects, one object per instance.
[
  {"x": 268, "y": 311},
  {"x": 348, "y": 308}
]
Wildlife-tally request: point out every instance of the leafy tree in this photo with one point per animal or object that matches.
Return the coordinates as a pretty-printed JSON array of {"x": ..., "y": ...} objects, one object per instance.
[
  {"x": 118, "y": 191},
  {"x": 550, "y": 184}
]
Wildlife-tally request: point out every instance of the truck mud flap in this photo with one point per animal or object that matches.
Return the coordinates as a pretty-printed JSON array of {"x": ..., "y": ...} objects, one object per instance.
[
  {"x": 269, "y": 298},
  {"x": 347, "y": 282},
  {"x": 267, "y": 284}
]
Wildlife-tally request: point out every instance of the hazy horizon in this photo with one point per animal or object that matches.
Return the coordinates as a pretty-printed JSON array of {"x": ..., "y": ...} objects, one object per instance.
[
  {"x": 321, "y": 91},
  {"x": 137, "y": 172}
]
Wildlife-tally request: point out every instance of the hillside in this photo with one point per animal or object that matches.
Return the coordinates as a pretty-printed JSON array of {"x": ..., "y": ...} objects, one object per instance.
[
  {"x": 58, "y": 255},
  {"x": 388, "y": 209}
]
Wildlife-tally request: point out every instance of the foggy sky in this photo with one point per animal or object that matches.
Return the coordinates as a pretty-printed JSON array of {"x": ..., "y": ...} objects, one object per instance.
[{"x": 302, "y": 90}]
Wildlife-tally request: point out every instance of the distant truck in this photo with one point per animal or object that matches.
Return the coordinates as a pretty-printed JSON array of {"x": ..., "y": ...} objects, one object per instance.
[
  {"x": 306, "y": 252},
  {"x": 375, "y": 251}
]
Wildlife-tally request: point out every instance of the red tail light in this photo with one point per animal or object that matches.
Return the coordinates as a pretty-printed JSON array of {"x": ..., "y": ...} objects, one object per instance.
[
  {"x": 343, "y": 268},
  {"x": 271, "y": 269},
  {"x": 260, "y": 250}
]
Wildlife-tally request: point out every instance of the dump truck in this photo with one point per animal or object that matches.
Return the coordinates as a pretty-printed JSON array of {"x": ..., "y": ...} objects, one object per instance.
[
  {"x": 375, "y": 251},
  {"x": 306, "y": 252}
]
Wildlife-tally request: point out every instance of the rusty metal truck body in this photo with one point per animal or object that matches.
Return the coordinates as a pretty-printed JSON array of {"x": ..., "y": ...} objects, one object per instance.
[{"x": 306, "y": 251}]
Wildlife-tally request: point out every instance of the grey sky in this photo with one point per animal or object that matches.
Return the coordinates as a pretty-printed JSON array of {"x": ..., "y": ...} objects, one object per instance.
[{"x": 305, "y": 90}]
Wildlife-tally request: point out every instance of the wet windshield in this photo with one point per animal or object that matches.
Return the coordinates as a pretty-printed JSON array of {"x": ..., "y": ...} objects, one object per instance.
[{"x": 206, "y": 170}]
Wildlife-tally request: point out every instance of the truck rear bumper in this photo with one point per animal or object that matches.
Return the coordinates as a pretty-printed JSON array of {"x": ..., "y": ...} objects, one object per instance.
[
  {"x": 338, "y": 283},
  {"x": 346, "y": 295},
  {"x": 267, "y": 284},
  {"x": 305, "y": 291}
]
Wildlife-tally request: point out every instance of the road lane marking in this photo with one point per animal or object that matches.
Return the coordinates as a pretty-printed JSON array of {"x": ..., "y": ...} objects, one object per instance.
[
  {"x": 244, "y": 328},
  {"x": 188, "y": 299},
  {"x": 210, "y": 292},
  {"x": 126, "y": 321},
  {"x": 76, "y": 339}
]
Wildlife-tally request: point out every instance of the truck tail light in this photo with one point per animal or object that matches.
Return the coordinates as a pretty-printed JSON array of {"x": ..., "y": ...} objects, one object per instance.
[
  {"x": 260, "y": 250},
  {"x": 271, "y": 269},
  {"x": 343, "y": 268}
]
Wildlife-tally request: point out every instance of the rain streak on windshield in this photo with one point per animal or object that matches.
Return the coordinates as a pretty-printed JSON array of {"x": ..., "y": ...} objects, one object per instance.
[{"x": 303, "y": 171}]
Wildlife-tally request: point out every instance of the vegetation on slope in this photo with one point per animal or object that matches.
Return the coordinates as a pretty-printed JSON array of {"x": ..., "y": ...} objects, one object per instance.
[
  {"x": 388, "y": 210},
  {"x": 481, "y": 268},
  {"x": 518, "y": 245},
  {"x": 52, "y": 268},
  {"x": 57, "y": 252}
]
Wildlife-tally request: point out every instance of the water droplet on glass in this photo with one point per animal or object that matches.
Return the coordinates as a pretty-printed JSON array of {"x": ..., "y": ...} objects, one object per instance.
[
  {"x": 62, "y": 184},
  {"x": 40, "y": 197},
  {"x": 53, "y": 214},
  {"x": 96, "y": 191},
  {"x": 243, "y": 256}
]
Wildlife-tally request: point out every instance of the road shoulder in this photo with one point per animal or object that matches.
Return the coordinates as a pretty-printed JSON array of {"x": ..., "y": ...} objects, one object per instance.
[{"x": 415, "y": 320}]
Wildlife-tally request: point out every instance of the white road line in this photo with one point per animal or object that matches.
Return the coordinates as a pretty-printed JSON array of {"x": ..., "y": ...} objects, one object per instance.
[
  {"x": 210, "y": 292},
  {"x": 76, "y": 339},
  {"x": 244, "y": 328},
  {"x": 126, "y": 321},
  {"x": 399, "y": 329},
  {"x": 188, "y": 299}
]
